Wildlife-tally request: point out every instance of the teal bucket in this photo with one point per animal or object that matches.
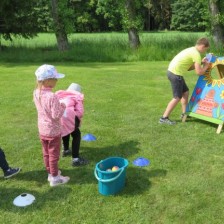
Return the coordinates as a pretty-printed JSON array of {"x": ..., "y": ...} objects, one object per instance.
[{"x": 111, "y": 182}]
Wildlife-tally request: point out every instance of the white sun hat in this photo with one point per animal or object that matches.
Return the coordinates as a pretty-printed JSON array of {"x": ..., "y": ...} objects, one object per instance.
[
  {"x": 75, "y": 86},
  {"x": 23, "y": 200},
  {"x": 47, "y": 72}
]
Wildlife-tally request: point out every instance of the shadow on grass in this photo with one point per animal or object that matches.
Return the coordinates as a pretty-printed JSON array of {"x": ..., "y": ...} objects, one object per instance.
[
  {"x": 124, "y": 149},
  {"x": 67, "y": 64},
  {"x": 83, "y": 51},
  {"x": 84, "y": 174},
  {"x": 138, "y": 180},
  {"x": 197, "y": 121},
  {"x": 8, "y": 195}
]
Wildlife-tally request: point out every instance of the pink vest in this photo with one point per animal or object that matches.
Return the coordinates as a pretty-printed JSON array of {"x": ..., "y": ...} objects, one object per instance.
[{"x": 74, "y": 108}]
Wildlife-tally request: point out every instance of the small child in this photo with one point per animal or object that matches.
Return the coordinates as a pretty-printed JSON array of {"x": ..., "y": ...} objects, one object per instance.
[
  {"x": 71, "y": 120},
  {"x": 50, "y": 111},
  {"x": 8, "y": 171}
]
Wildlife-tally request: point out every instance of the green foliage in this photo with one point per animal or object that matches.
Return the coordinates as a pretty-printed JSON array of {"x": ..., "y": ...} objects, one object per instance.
[
  {"x": 218, "y": 18},
  {"x": 190, "y": 15},
  {"x": 45, "y": 21},
  {"x": 110, "y": 10},
  {"x": 160, "y": 12},
  {"x": 131, "y": 15},
  {"x": 18, "y": 18},
  {"x": 65, "y": 16},
  {"x": 85, "y": 17}
]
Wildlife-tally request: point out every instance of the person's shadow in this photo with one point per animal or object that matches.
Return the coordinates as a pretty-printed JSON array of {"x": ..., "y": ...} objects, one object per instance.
[
  {"x": 137, "y": 178},
  {"x": 84, "y": 174}
]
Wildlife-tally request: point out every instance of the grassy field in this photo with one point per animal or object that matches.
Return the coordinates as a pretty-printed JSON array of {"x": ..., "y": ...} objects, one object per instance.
[
  {"x": 100, "y": 47},
  {"x": 123, "y": 102}
]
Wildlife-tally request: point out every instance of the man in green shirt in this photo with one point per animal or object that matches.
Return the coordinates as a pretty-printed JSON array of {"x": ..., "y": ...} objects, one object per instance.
[{"x": 186, "y": 60}]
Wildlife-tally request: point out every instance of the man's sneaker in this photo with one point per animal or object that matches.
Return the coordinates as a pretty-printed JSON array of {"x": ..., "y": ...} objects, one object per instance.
[
  {"x": 66, "y": 153},
  {"x": 166, "y": 120},
  {"x": 11, "y": 172},
  {"x": 80, "y": 162},
  {"x": 49, "y": 178},
  {"x": 55, "y": 181}
]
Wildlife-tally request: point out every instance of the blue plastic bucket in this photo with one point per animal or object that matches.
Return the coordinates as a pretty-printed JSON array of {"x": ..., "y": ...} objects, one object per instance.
[{"x": 111, "y": 182}]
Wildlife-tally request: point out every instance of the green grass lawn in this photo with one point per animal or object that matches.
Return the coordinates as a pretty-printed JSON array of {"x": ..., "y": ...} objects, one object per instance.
[{"x": 123, "y": 102}]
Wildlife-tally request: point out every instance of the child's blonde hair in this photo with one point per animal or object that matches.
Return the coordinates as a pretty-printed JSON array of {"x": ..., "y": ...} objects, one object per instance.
[{"x": 45, "y": 83}]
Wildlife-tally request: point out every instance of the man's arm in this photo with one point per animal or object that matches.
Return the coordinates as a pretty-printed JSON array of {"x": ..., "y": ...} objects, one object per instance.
[{"x": 200, "y": 70}]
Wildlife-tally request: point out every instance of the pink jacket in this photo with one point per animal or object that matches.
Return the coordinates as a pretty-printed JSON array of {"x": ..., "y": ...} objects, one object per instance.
[
  {"x": 49, "y": 111},
  {"x": 74, "y": 108}
]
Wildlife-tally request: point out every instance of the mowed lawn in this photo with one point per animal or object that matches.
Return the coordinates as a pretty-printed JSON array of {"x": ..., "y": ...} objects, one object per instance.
[{"x": 184, "y": 182}]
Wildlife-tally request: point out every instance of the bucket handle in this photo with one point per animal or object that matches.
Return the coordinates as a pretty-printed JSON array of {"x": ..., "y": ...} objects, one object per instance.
[{"x": 108, "y": 180}]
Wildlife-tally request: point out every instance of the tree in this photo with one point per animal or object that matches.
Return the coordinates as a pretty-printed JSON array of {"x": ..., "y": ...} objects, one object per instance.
[
  {"x": 59, "y": 21},
  {"x": 132, "y": 22},
  {"x": 128, "y": 11},
  {"x": 217, "y": 21},
  {"x": 85, "y": 17},
  {"x": 189, "y": 15},
  {"x": 18, "y": 18},
  {"x": 160, "y": 12}
]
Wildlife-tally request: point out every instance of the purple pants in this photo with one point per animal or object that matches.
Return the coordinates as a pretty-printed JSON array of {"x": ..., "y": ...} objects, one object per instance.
[{"x": 51, "y": 153}]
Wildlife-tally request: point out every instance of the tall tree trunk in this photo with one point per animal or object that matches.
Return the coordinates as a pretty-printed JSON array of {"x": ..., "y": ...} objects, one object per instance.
[
  {"x": 60, "y": 33},
  {"x": 133, "y": 36},
  {"x": 217, "y": 28},
  {"x": 149, "y": 19}
]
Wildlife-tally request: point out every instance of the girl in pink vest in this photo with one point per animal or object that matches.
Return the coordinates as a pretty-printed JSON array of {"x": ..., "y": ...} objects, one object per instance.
[{"x": 70, "y": 122}]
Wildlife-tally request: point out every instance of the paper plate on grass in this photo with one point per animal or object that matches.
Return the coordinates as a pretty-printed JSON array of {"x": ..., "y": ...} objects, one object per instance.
[
  {"x": 23, "y": 200},
  {"x": 89, "y": 137},
  {"x": 141, "y": 162}
]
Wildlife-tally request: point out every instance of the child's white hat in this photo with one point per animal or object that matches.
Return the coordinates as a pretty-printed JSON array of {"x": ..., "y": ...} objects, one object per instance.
[
  {"x": 75, "y": 86},
  {"x": 47, "y": 72}
]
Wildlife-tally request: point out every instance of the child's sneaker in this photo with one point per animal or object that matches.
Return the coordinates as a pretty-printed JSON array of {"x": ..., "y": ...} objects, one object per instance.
[
  {"x": 66, "y": 153},
  {"x": 79, "y": 162},
  {"x": 55, "y": 181},
  {"x": 166, "y": 120},
  {"x": 11, "y": 172},
  {"x": 50, "y": 176}
]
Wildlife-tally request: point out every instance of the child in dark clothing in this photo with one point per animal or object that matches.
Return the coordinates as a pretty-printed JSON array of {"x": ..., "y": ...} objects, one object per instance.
[
  {"x": 71, "y": 119},
  {"x": 8, "y": 171}
]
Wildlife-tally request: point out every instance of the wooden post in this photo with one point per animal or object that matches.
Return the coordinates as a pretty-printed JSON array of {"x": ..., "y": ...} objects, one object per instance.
[
  {"x": 219, "y": 128},
  {"x": 184, "y": 118}
]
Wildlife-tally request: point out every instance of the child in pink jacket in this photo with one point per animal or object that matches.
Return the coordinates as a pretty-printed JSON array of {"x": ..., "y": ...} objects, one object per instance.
[
  {"x": 49, "y": 111},
  {"x": 70, "y": 121}
]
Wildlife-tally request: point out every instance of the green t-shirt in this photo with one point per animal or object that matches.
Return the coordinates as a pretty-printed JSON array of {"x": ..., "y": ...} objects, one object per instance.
[{"x": 184, "y": 60}]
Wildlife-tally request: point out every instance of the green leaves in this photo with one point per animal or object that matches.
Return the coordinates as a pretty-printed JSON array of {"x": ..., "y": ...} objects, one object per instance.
[{"x": 189, "y": 16}]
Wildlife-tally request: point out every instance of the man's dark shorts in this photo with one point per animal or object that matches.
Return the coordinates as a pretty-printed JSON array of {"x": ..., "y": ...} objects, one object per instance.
[{"x": 178, "y": 84}]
